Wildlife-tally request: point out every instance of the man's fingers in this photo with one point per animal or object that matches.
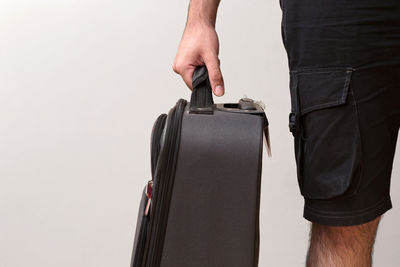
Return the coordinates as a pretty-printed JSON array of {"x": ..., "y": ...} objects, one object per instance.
[
  {"x": 215, "y": 75},
  {"x": 187, "y": 76}
]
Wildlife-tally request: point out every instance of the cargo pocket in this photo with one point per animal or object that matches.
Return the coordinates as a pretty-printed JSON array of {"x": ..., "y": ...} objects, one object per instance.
[{"x": 325, "y": 127}]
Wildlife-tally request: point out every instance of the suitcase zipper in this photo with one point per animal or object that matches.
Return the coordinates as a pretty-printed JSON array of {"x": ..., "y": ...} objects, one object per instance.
[
  {"x": 139, "y": 252},
  {"x": 163, "y": 185},
  {"x": 155, "y": 141},
  {"x": 156, "y": 133}
]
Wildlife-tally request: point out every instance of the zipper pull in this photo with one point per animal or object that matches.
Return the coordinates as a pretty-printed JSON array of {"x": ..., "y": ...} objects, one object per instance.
[{"x": 149, "y": 190}]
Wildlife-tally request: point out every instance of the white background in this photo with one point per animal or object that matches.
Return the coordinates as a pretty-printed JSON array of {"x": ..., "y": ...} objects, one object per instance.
[{"x": 81, "y": 83}]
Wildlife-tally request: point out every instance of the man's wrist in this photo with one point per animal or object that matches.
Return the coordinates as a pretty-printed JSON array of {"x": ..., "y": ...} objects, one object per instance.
[
  {"x": 202, "y": 13},
  {"x": 199, "y": 24}
]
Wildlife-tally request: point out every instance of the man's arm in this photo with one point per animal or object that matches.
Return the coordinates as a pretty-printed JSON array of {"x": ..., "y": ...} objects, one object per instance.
[{"x": 199, "y": 45}]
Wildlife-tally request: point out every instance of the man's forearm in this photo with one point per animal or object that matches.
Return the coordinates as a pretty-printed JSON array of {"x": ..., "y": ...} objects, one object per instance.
[
  {"x": 199, "y": 45},
  {"x": 202, "y": 12}
]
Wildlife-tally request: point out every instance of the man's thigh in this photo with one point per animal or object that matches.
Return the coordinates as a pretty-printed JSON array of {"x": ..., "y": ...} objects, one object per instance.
[
  {"x": 345, "y": 133},
  {"x": 341, "y": 33},
  {"x": 345, "y": 96}
]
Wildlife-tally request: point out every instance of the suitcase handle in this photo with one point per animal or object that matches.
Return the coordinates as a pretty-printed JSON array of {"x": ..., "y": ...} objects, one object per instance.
[{"x": 201, "y": 101}]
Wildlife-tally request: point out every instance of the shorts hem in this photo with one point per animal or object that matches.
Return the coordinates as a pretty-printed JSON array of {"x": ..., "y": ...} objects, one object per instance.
[{"x": 347, "y": 218}]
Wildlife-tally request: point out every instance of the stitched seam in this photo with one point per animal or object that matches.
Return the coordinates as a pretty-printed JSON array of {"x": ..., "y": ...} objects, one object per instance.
[
  {"x": 361, "y": 146},
  {"x": 324, "y": 105},
  {"x": 346, "y": 85},
  {"x": 308, "y": 71},
  {"x": 360, "y": 212}
]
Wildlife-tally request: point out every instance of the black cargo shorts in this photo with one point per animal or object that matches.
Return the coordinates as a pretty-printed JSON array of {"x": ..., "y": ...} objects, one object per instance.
[{"x": 344, "y": 60}]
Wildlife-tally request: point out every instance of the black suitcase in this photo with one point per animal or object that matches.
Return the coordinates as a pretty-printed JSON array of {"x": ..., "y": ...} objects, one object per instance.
[{"x": 201, "y": 209}]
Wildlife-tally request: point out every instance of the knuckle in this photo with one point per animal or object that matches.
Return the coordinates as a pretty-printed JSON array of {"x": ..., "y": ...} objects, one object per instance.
[
  {"x": 216, "y": 75},
  {"x": 174, "y": 68},
  {"x": 178, "y": 67}
]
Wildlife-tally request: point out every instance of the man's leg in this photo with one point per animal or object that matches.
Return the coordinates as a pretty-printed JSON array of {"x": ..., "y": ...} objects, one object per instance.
[{"x": 342, "y": 246}]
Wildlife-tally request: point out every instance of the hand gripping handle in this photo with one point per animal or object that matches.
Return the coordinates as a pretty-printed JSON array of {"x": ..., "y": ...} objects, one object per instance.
[{"x": 201, "y": 101}]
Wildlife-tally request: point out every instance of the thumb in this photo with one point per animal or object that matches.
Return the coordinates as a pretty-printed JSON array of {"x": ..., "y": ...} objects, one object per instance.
[{"x": 215, "y": 76}]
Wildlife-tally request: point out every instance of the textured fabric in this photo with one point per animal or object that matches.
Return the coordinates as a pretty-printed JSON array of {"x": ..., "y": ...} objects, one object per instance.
[
  {"x": 344, "y": 60},
  {"x": 332, "y": 33}
]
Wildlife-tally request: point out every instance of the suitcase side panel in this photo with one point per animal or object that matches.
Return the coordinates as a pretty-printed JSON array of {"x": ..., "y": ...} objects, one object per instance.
[{"x": 213, "y": 218}]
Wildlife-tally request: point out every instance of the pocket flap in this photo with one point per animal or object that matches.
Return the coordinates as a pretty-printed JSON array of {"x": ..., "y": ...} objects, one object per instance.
[{"x": 322, "y": 88}]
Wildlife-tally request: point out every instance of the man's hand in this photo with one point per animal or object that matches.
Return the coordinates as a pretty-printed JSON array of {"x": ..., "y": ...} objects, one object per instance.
[{"x": 200, "y": 46}]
